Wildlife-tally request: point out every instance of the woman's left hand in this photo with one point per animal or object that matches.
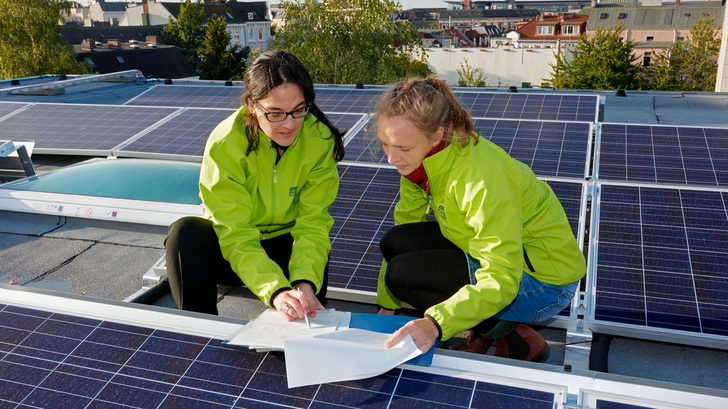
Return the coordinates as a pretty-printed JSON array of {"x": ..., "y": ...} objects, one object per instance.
[{"x": 423, "y": 332}]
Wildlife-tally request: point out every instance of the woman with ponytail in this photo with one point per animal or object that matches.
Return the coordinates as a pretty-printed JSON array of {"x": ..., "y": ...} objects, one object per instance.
[
  {"x": 267, "y": 180},
  {"x": 500, "y": 252}
]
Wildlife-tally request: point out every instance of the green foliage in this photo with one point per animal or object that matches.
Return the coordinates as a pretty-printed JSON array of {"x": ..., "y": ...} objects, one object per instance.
[
  {"x": 187, "y": 32},
  {"x": 689, "y": 65},
  {"x": 469, "y": 76},
  {"x": 219, "y": 60},
  {"x": 31, "y": 42},
  {"x": 604, "y": 61},
  {"x": 352, "y": 41}
]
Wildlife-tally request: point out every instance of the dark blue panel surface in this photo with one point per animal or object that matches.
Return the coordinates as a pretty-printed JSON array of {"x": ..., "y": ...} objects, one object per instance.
[
  {"x": 661, "y": 258},
  {"x": 605, "y": 404},
  {"x": 663, "y": 154},
  {"x": 185, "y": 134},
  {"x": 197, "y": 96},
  {"x": 8, "y": 108},
  {"x": 548, "y": 148},
  {"x": 579, "y": 108},
  {"x": 84, "y": 363},
  {"x": 80, "y": 127}
]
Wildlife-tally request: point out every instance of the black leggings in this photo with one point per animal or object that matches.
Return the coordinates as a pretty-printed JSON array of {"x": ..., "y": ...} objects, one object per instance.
[
  {"x": 195, "y": 265},
  {"x": 424, "y": 268}
]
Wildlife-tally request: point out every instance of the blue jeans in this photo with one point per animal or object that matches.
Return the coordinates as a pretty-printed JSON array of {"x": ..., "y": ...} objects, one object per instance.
[{"x": 536, "y": 301}]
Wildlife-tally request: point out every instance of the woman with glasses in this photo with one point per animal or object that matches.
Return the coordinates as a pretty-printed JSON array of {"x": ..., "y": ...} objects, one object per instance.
[
  {"x": 267, "y": 180},
  {"x": 500, "y": 253}
]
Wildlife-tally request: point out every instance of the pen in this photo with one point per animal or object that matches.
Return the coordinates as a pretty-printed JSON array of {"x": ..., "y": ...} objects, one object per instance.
[{"x": 305, "y": 314}]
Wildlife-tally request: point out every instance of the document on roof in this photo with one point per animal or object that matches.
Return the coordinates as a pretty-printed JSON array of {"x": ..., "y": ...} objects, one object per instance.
[
  {"x": 343, "y": 355},
  {"x": 268, "y": 331}
]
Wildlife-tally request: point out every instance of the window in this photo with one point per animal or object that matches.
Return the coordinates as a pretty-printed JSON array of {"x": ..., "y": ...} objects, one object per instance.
[
  {"x": 650, "y": 38},
  {"x": 570, "y": 30},
  {"x": 646, "y": 59},
  {"x": 622, "y": 16},
  {"x": 602, "y": 16},
  {"x": 545, "y": 30}
]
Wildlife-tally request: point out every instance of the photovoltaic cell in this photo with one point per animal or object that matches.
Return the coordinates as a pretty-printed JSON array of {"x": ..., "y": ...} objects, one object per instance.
[
  {"x": 347, "y": 100},
  {"x": 580, "y": 108},
  {"x": 54, "y": 360},
  {"x": 184, "y": 134},
  {"x": 605, "y": 404},
  {"x": 558, "y": 149},
  {"x": 663, "y": 154},
  {"x": 8, "y": 108},
  {"x": 191, "y": 96},
  {"x": 662, "y": 258},
  {"x": 201, "y": 96},
  {"x": 363, "y": 213},
  {"x": 80, "y": 127}
]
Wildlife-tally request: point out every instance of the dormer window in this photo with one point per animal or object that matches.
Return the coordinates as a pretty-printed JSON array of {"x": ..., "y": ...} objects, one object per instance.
[
  {"x": 545, "y": 30},
  {"x": 603, "y": 16},
  {"x": 622, "y": 16},
  {"x": 570, "y": 30}
]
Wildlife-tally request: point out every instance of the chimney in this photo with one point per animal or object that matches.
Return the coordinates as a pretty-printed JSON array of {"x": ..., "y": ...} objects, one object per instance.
[
  {"x": 677, "y": 2},
  {"x": 145, "y": 7},
  {"x": 466, "y": 5}
]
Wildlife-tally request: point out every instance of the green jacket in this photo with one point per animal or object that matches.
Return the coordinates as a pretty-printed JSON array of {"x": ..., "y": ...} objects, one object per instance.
[
  {"x": 251, "y": 198},
  {"x": 492, "y": 207}
]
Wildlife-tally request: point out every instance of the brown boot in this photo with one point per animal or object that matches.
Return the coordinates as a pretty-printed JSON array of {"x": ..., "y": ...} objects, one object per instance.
[
  {"x": 474, "y": 343},
  {"x": 525, "y": 344}
]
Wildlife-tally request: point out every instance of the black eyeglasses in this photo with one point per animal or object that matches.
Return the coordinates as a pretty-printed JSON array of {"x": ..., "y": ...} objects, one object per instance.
[{"x": 279, "y": 116}]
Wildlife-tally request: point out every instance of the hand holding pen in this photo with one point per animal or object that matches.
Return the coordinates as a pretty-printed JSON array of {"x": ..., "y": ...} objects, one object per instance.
[{"x": 296, "y": 303}]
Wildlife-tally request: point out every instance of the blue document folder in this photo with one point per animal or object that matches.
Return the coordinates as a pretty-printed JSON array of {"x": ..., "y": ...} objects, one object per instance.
[{"x": 388, "y": 324}]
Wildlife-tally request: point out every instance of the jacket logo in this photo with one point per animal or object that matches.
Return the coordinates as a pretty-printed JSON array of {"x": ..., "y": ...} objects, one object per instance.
[
  {"x": 441, "y": 210},
  {"x": 292, "y": 191}
]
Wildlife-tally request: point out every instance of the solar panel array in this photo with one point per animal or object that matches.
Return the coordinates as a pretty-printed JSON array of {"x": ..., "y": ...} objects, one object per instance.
[
  {"x": 551, "y": 133},
  {"x": 55, "y": 360},
  {"x": 662, "y": 259},
  {"x": 664, "y": 154}
]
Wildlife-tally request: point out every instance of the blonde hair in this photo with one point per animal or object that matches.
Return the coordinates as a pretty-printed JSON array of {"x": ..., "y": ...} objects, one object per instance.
[{"x": 429, "y": 104}]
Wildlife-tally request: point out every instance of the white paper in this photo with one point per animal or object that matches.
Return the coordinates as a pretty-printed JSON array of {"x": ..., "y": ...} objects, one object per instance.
[
  {"x": 344, "y": 355},
  {"x": 270, "y": 328}
]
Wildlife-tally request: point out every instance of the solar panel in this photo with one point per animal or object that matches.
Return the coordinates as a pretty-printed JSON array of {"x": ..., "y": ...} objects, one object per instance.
[
  {"x": 347, "y": 100},
  {"x": 205, "y": 96},
  {"x": 7, "y": 108},
  {"x": 663, "y": 154},
  {"x": 661, "y": 257},
  {"x": 193, "y": 96},
  {"x": 559, "y": 149},
  {"x": 581, "y": 108},
  {"x": 79, "y": 128},
  {"x": 363, "y": 213},
  {"x": 184, "y": 134},
  {"x": 56, "y": 360}
]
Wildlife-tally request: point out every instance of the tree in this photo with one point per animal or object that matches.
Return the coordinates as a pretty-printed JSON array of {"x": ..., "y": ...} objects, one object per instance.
[
  {"x": 187, "y": 32},
  {"x": 31, "y": 42},
  {"x": 688, "y": 65},
  {"x": 469, "y": 76},
  {"x": 604, "y": 61},
  {"x": 352, "y": 41},
  {"x": 219, "y": 60}
]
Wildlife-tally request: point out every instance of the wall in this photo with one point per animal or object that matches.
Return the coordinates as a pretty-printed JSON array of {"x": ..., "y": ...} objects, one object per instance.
[
  {"x": 500, "y": 67},
  {"x": 721, "y": 83}
]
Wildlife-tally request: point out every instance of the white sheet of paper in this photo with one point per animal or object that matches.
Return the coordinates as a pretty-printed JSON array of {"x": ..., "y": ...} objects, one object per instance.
[
  {"x": 269, "y": 329},
  {"x": 344, "y": 355}
]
